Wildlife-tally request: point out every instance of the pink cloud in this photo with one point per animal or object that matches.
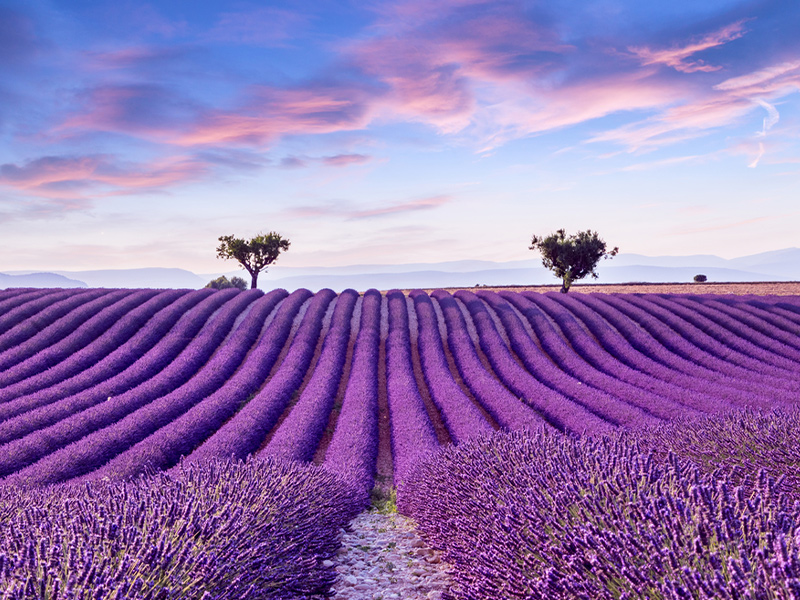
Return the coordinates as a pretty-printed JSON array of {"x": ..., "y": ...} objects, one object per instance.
[
  {"x": 274, "y": 113},
  {"x": 344, "y": 160},
  {"x": 344, "y": 210},
  {"x": 435, "y": 66},
  {"x": 768, "y": 80},
  {"x": 82, "y": 177},
  {"x": 677, "y": 57},
  {"x": 402, "y": 207},
  {"x": 522, "y": 112},
  {"x": 722, "y": 105},
  {"x": 678, "y": 123}
]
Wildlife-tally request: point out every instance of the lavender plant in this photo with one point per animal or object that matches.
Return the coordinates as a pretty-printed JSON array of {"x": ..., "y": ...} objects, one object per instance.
[
  {"x": 509, "y": 411},
  {"x": 298, "y": 436},
  {"x": 106, "y": 347},
  {"x": 219, "y": 530},
  {"x": 462, "y": 418},
  {"x": 353, "y": 450},
  {"x": 747, "y": 445},
  {"x": 546, "y": 516},
  {"x": 161, "y": 342}
]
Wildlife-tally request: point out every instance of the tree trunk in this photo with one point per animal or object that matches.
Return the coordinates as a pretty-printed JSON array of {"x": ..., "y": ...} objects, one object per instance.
[{"x": 565, "y": 286}]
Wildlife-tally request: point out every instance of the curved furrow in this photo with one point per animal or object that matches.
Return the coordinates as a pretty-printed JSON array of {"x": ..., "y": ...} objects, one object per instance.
[
  {"x": 51, "y": 325},
  {"x": 461, "y": 417},
  {"x": 99, "y": 351},
  {"x": 165, "y": 447},
  {"x": 786, "y": 310},
  {"x": 509, "y": 411},
  {"x": 244, "y": 432},
  {"x": 546, "y": 372},
  {"x": 632, "y": 345},
  {"x": 683, "y": 355},
  {"x": 147, "y": 353},
  {"x": 769, "y": 321},
  {"x": 696, "y": 342},
  {"x": 70, "y": 430},
  {"x": 353, "y": 450},
  {"x": 299, "y": 434},
  {"x": 604, "y": 349},
  {"x": 760, "y": 340},
  {"x": 106, "y": 439},
  {"x": 18, "y": 309},
  {"x": 562, "y": 412},
  {"x": 412, "y": 431},
  {"x": 574, "y": 365},
  {"x": 11, "y": 297},
  {"x": 80, "y": 347}
]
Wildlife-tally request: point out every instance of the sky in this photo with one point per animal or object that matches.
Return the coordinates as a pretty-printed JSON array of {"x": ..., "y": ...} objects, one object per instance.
[{"x": 134, "y": 134}]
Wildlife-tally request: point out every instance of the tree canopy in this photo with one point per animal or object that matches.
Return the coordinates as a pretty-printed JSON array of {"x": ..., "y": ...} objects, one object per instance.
[
  {"x": 222, "y": 283},
  {"x": 255, "y": 254},
  {"x": 571, "y": 258}
]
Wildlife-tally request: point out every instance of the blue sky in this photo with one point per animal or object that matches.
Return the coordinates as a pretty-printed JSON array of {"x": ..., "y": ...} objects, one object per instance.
[{"x": 134, "y": 134}]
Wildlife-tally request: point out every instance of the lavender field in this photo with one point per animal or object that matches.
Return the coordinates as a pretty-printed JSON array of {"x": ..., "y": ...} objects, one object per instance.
[{"x": 581, "y": 445}]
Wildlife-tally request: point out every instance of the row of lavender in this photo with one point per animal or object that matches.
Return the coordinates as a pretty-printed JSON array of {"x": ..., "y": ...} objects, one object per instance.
[
  {"x": 222, "y": 530},
  {"x": 102, "y": 383},
  {"x": 705, "y": 508},
  {"x": 99, "y": 386}
]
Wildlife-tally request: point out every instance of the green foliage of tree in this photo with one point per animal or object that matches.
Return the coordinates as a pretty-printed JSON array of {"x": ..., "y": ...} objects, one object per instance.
[
  {"x": 223, "y": 283},
  {"x": 700, "y": 278},
  {"x": 571, "y": 258},
  {"x": 255, "y": 254}
]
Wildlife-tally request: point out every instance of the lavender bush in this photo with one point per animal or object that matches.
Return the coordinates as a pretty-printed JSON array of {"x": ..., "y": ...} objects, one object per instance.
[
  {"x": 105, "y": 348},
  {"x": 154, "y": 349},
  {"x": 546, "y": 516},
  {"x": 353, "y": 450},
  {"x": 219, "y": 530},
  {"x": 298, "y": 436},
  {"x": 509, "y": 411},
  {"x": 746, "y": 445}
]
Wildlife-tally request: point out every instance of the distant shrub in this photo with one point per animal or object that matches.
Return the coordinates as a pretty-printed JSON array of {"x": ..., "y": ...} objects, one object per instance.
[
  {"x": 222, "y": 283},
  {"x": 700, "y": 278}
]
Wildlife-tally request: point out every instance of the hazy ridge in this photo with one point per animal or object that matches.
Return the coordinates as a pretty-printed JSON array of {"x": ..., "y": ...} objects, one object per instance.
[{"x": 778, "y": 265}]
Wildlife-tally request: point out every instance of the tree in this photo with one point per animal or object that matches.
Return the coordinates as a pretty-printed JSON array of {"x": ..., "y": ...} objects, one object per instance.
[
  {"x": 700, "y": 278},
  {"x": 573, "y": 257},
  {"x": 222, "y": 283},
  {"x": 255, "y": 255}
]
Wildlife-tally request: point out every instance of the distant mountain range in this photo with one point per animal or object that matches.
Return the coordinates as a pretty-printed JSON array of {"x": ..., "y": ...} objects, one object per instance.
[{"x": 778, "y": 265}]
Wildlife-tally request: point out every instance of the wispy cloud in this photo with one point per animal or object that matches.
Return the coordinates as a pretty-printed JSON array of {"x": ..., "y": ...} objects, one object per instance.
[
  {"x": 93, "y": 176},
  {"x": 272, "y": 113},
  {"x": 768, "y": 79},
  {"x": 143, "y": 110},
  {"x": 345, "y": 160},
  {"x": 677, "y": 57},
  {"x": 769, "y": 121},
  {"x": 345, "y": 210}
]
